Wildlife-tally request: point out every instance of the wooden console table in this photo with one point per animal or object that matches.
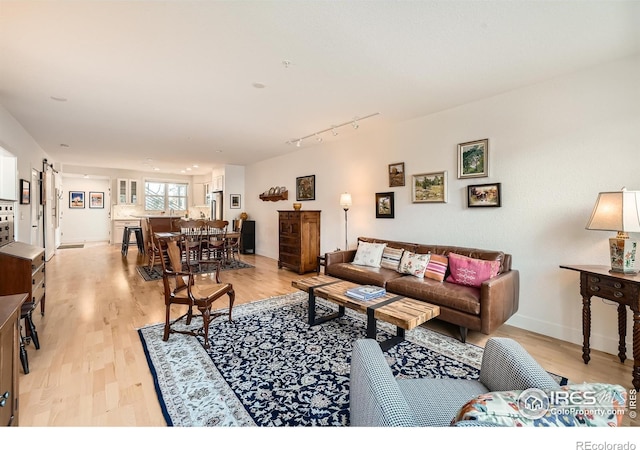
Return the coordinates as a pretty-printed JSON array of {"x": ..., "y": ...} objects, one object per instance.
[{"x": 621, "y": 288}]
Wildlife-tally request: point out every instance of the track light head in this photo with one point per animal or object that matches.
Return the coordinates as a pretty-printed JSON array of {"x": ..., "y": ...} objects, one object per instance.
[
  {"x": 318, "y": 138},
  {"x": 299, "y": 143},
  {"x": 334, "y": 132},
  {"x": 355, "y": 125}
]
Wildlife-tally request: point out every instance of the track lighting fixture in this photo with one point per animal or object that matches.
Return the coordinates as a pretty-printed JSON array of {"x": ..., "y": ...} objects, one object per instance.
[{"x": 353, "y": 122}]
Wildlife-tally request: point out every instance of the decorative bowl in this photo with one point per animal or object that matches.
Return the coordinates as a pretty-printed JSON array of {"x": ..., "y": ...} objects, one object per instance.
[{"x": 297, "y": 206}]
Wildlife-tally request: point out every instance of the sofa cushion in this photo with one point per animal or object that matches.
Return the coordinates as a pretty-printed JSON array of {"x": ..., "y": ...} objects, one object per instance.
[
  {"x": 413, "y": 264},
  {"x": 454, "y": 296},
  {"x": 470, "y": 271},
  {"x": 369, "y": 254},
  {"x": 437, "y": 267},
  {"x": 362, "y": 274},
  {"x": 536, "y": 407},
  {"x": 391, "y": 258}
]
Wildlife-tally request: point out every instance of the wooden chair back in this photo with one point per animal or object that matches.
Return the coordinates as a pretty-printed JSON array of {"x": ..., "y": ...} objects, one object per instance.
[{"x": 173, "y": 278}]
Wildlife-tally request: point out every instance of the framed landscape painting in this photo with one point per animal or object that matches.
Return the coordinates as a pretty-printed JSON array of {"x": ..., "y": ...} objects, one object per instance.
[
  {"x": 396, "y": 174},
  {"x": 487, "y": 195},
  {"x": 384, "y": 205},
  {"x": 473, "y": 159},
  {"x": 306, "y": 188},
  {"x": 429, "y": 187},
  {"x": 96, "y": 199},
  {"x": 235, "y": 201},
  {"x": 76, "y": 199}
]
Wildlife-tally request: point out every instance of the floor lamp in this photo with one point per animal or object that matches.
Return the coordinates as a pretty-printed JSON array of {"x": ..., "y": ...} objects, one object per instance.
[{"x": 345, "y": 202}]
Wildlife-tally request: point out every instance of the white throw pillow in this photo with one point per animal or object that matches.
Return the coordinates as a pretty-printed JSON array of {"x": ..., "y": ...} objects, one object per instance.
[
  {"x": 414, "y": 264},
  {"x": 369, "y": 254}
]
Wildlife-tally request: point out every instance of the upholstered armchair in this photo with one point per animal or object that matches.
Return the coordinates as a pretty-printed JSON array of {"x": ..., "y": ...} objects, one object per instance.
[{"x": 378, "y": 399}]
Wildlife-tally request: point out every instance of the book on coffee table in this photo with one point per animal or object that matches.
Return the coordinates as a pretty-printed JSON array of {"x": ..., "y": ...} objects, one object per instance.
[{"x": 366, "y": 292}]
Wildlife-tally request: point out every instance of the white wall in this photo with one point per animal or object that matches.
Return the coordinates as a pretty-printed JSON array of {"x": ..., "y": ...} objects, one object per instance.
[
  {"x": 553, "y": 146},
  {"x": 79, "y": 225}
]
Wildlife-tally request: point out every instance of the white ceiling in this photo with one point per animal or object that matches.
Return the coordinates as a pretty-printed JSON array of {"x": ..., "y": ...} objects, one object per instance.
[{"x": 169, "y": 84}]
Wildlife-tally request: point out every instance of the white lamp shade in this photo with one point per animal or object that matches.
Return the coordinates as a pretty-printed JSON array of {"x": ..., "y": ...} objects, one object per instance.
[
  {"x": 345, "y": 200},
  {"x": 616, "y": 211}
]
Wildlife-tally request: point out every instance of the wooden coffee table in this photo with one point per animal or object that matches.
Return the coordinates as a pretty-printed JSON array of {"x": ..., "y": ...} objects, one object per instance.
[{"x": 403, "y": 312}]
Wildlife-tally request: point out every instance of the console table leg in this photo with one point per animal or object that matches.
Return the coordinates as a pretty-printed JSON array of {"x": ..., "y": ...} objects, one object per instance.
[
  {"x": 586, "y": 328},
  {"x": 622, "y": 332}
]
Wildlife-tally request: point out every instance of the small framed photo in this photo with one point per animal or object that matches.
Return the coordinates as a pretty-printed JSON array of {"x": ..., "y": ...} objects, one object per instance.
[
  {"x": 306, "y": 188},
  {"x": 429, "y": 187},
  {"x": 235, "y": 201},
  {"x": 96, "y": 199},
  {"x": 396, "y": 174},
  {"x": 76, "y": 199},
  {"x": 473, "y": 159},
  {"x": 484, "y": 195},
  {"x": 25, "y": 192},
  {"x": 384, "y": 205}
]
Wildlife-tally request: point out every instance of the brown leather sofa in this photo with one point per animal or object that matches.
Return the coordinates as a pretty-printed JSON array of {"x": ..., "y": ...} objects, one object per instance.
[{"x": 482, "y": 309}]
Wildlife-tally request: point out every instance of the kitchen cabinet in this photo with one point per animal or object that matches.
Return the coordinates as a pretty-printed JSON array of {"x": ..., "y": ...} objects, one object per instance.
[
  {"x": 6, "y": 222},
  {"x": 217, "y": 183},
  {"x": 23, "y": 271},
  {"x": 10, "y": 306},
  {"x": 299, "y": 240},
  {"x": 127, "y": 191},
  {"x": 118, "y": 230}
]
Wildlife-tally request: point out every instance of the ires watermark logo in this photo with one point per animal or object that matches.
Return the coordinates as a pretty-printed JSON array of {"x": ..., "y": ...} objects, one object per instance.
[{"x": 535, "y": 403}]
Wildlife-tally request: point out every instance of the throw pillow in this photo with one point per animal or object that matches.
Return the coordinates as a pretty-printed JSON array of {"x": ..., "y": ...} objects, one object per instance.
[
  {"x": 414, "y": 264},
  {"x": 391, "y": 258},
  {"x": 437, "y": 267},
  {"x": 582, "y": 405},
  {"x": 470, "y": 271},
  {"x": 369, "y": 254}
]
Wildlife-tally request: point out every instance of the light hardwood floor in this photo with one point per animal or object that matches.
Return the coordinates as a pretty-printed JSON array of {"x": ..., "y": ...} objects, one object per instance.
[{"x": 91, "y": 369}]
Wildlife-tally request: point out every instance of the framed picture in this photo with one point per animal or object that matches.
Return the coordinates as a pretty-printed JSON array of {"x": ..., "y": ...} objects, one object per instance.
[
  {"x": 306, "y": 188},
  {"x": 384, "y": 205},
  {"x": 76, "y": 199},
  {"x": 25, "y": 192},
  {"x": 96, "y": 199},
  {"x": 473, "y": 159},
  {"x": 484, "y": 195},
  {"x": 429, "y": 187},
  {"x": 396, "y": 174},
  {"x": 235, "y": 201}
]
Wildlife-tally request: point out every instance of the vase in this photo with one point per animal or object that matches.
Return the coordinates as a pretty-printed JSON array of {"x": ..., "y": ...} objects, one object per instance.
[{"x": 244, "y": 216}]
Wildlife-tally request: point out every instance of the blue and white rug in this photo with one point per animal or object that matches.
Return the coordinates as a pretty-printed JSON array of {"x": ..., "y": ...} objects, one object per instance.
[{"x": 269, "y": 368}]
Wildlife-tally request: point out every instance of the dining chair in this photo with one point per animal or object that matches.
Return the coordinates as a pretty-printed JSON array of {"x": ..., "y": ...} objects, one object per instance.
[
  {"x": 215, "y": 244},
  {"x": 181, "y": 288},
  {"x": 152, "y": 247},
  {"x": 192, "y": 232}
]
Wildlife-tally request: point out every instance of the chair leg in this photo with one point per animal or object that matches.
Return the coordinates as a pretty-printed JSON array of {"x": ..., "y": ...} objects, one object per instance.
[
  {"x": 232, "y": 298},
  {"x": 165, "y": 337},
  {"x": 23, "y": 354},
  {"x": 206, "y": 318}
]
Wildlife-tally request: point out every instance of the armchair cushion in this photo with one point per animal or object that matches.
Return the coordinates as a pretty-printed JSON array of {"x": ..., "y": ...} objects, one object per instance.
[{"x": 582, "y": 405}]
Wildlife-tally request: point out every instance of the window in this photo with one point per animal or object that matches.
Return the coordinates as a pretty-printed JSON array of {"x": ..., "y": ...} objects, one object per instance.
[{"x": 160, "y": 196}]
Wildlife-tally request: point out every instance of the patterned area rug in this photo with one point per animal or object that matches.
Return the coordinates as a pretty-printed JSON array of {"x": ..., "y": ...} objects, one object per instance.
[
  {"x": 269, "y": 368},
  {"x": 155, "y": 273}
]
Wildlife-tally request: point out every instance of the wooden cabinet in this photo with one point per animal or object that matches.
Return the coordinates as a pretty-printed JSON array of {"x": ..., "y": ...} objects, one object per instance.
[
  {"x": 6, "y": 222},
  {"x": 127, "y": 191},
  {"x": 9, "y": 346},
  {"x": 22, "y": 270},
  {"x": 299, "y": 239}
]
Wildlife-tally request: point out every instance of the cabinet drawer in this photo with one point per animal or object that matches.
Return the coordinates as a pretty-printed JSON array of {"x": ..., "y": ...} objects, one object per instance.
[
  {"x": 38, "y": 292},
  {"x": 288, "y": 258},
  {"x": 38, "y": 277},
  {"x": 611, "y": 288}
]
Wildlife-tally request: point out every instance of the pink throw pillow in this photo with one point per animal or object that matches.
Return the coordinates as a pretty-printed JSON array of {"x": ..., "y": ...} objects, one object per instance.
[
  {"x": 437, "y": 267},
  {"x": 470, "y": 271}
]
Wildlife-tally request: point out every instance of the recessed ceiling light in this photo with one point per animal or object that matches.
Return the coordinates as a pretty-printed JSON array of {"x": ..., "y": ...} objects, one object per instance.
[
  {"x": 156, "y": 168},
  {"x": 188, "y": 168},
  {"x": 195, "y": 166},
  {"x": 58, "y": 99},
  {"x": 183, "y": 171},
  {"x": 218, "y": 151},
  {"x": 258, "y": 85}
]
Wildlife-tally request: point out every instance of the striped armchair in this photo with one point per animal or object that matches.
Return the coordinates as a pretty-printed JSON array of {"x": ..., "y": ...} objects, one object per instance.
[{"x": 378, "y": 399}]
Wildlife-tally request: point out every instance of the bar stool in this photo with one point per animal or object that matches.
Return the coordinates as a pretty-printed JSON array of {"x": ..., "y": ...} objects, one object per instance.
[
  {"x": 139, "y": 239},
  {"x": 31, "y": 334}
]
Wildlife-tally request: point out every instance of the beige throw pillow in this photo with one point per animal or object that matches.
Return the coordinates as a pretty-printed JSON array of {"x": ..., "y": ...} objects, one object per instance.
[{"x": 369, "y": 254}]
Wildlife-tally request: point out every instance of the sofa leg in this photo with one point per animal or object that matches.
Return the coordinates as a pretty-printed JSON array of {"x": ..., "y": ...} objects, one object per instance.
[{"x": 463, "y": 334}]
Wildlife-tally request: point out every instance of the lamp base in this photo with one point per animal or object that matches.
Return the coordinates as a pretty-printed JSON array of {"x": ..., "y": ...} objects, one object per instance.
[{"x": 623, "y": 255}]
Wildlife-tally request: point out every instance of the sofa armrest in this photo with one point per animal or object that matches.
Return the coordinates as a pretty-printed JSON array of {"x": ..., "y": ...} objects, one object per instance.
[
  {"x": 341, "y": 256},
  {"x": 375, "y": 400},
  {"x": 507, "y": 366},
  {"x": 499, "y": 298}
]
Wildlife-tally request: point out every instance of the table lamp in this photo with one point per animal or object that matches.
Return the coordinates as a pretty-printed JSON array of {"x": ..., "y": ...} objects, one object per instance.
[
  {"x": 345, "y": 202},
  {"x": 618, "y": 211}
]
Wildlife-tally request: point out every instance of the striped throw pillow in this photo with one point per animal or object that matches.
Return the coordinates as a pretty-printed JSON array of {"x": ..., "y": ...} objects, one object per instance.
[
  {"x": 391, "y": 258},
  {"x": 437, "y": 267}
]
